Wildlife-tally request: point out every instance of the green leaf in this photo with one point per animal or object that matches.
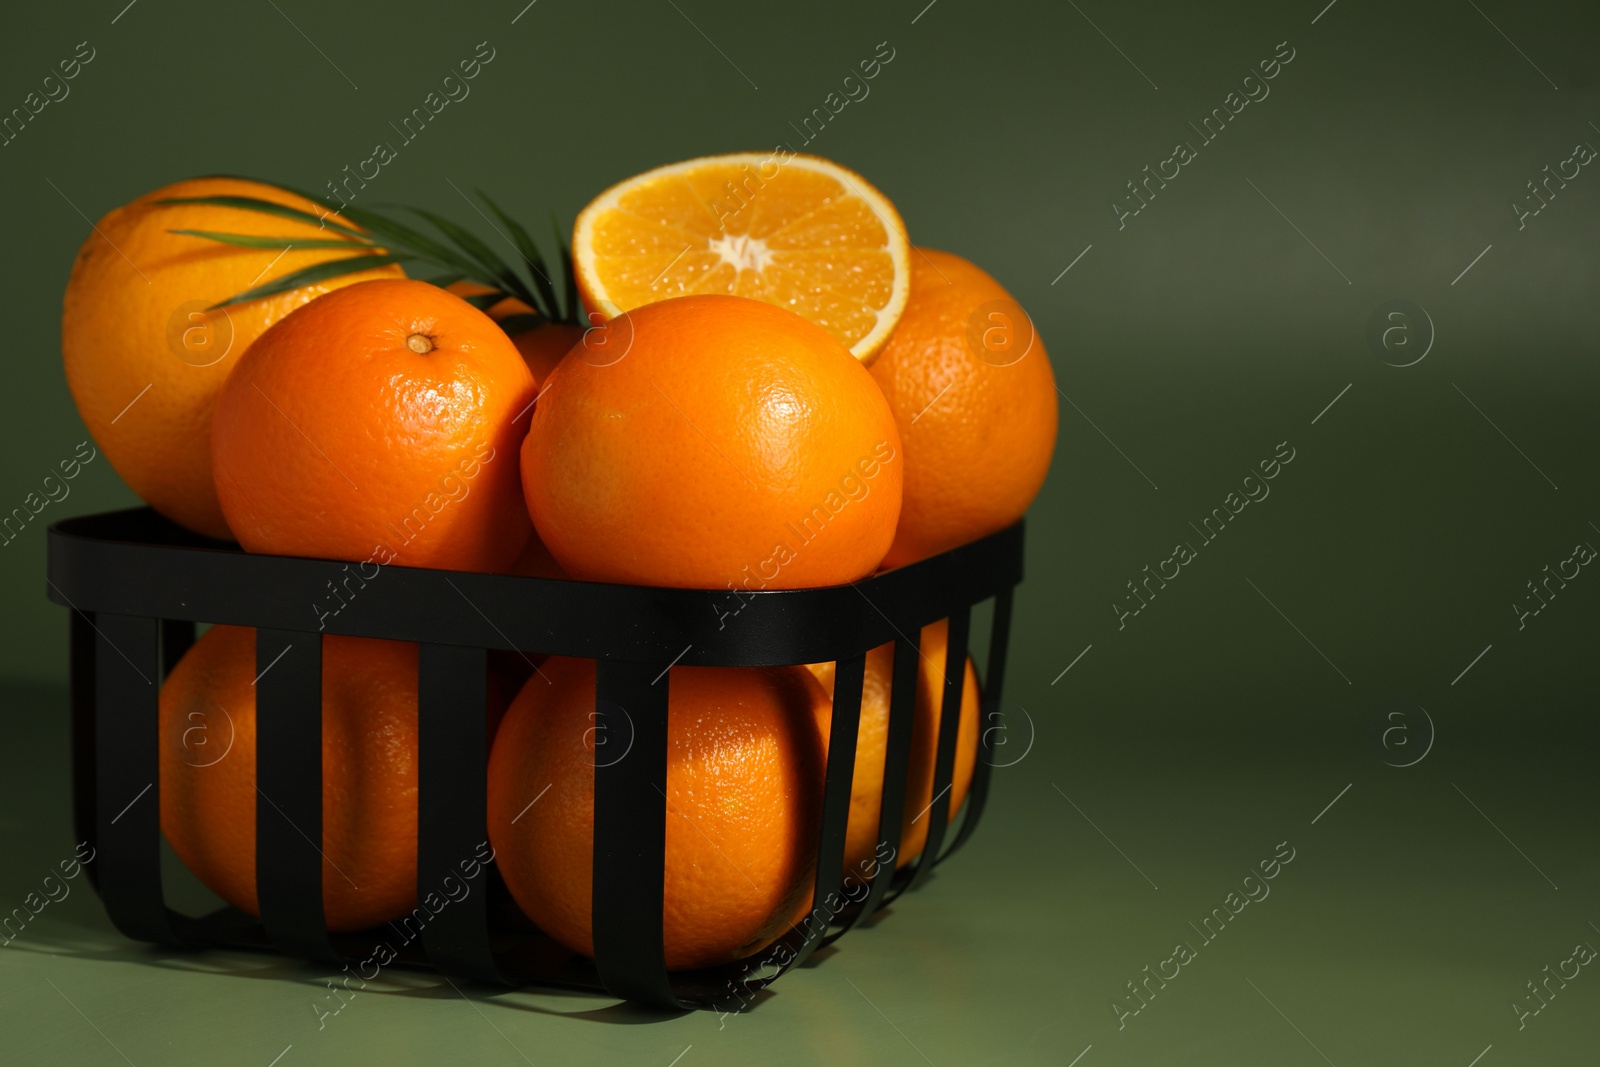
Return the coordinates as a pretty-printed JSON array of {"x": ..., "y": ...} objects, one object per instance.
[
  {"x": 266, "y": 207},
  {"x": 462, "y": 254},
  {"x": 530, "y": 253},
  {"x": 244, "y": 240},
  {"x": 469, "y": 242},
  {"x": 333, "y": 268},
  {"x": 400, "y": 235}
]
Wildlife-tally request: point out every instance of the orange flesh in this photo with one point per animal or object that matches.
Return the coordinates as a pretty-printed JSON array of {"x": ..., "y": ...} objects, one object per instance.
[{"x": 801, "y": 239}]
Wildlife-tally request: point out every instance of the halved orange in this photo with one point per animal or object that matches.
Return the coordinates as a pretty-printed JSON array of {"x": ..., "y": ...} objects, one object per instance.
[{"x": 797, "y": 231}]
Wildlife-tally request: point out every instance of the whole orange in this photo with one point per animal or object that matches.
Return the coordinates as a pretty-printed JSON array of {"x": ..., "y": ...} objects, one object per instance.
[
  {"x": 144, "y": 358},
  {"x": 744, "y": 802},
  {"x": 872, "y": 741},
  {"x": 713, "y": 440},
  {"x": 975, "y": 400},
  {"x": 369, "y": 768},
  {"x": 543, "y": 345},
  {"x": 380, "y": 422}
]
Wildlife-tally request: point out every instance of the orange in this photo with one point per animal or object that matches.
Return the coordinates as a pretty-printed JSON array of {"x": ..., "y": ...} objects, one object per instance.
[
  {"x": 975, "y": 400},
  {"x": 144, "y": 358},
  {"x": 719, "y": 440},
  {"x": 796, "y": 231},
  {"x": 369, "y": 767},
  {"x": 380, "y": 422},
  {"x": 744, "y": 804},
  {"x": 543, "y": 345},
  {"x": 872, "y": 739}
]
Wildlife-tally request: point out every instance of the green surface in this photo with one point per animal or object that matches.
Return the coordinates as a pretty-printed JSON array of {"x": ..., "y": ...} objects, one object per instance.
[{"x": 1179, "y": 750}]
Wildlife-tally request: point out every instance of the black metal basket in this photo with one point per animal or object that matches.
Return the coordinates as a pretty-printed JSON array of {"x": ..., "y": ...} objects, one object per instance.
[{"x": 136, "y": 585}]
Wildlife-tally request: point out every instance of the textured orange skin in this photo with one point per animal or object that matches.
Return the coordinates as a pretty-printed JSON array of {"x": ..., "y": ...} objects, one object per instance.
[
  {"x": 543, "y": 346},
  {"x": 872, "y": 741},
  {"x": 114, "y": 332},
  {"x": 331, "y": 432},
  {"x": 979, "y": 450},
  {"x": 691, "y": 459},
  {"x": 369, "y": 761},
  {"x": 744, "y": 802}
]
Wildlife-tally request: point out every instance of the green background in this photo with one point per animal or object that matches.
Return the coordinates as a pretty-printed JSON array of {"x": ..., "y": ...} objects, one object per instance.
[{"x": 1178, "y": 751}]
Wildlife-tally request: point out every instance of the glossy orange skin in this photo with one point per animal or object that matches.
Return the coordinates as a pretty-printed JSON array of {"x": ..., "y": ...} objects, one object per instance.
[
  {"x": 124, "y": 326},
  {"x": 872, "y": 741},
  {"x": 333, "y": 438},
  {"x": 744, "y": 800},
  {"x": 978, "y": 433},
  {"x": 713, "y": 440},
  {"x": 369, "y": 761}
]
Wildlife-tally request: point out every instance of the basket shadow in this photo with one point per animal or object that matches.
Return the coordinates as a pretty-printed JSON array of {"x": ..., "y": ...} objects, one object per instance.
[
  {"x": 621, "y": 1013},
  {"x": 91, "y": 946}
]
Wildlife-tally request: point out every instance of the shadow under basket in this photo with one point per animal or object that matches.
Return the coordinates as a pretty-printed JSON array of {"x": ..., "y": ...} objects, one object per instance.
[{"x": 137, "y": 585}]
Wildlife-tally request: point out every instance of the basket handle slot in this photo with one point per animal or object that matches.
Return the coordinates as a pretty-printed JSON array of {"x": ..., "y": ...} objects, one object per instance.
[{"x": 289, "y": 854}]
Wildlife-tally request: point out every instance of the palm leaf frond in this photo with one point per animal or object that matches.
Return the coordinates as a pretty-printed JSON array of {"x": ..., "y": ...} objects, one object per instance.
[
  {"x": 457, "y": 252},
  {"x": 318, "y": 272}
]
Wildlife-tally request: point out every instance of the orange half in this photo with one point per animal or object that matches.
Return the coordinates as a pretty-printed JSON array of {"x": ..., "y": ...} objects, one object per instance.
[{"x": 796, "y": 231}]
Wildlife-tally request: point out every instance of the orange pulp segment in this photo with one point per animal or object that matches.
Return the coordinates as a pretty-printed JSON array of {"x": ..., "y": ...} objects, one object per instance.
[{"x": 797, "y": 231}]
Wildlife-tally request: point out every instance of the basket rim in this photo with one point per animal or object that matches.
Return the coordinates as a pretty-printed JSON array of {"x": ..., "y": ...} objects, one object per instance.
[{"x": 134, "y": 562}]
